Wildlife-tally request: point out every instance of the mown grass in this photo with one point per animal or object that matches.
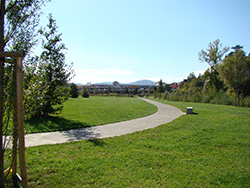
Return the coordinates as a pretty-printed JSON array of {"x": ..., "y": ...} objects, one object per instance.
[
  {"x": 85, "y": 112},
  {"x": 210, "y": 149}
]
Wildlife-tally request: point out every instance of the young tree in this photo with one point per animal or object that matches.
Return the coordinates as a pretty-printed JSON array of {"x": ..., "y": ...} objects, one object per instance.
[
  {"x": 190, "y": 77},
  {"x": 85, "y": 93},
  {"x": 56, "y": 72},
  {"x": 213, "y": 55},
  {"x": 125, "y": 90},
  {"x": 18, "y": 18},
  {"x": 74, "y": 90},
  {"x": 235, "y": 72},
  {"x": 160, "y": 88},
  {"x": 109, "y": 89}
]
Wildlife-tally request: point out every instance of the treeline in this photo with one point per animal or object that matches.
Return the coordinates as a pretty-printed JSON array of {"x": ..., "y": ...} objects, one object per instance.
[
  {"x": 227, "y": 81},
  {"x": 85, "y": 93}
]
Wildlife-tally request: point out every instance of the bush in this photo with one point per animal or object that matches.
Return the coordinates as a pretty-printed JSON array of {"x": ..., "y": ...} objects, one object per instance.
[
  {"x": 246, "y": 102},
  {"x": 165, "y": 95},
  {"x": 74, "y": 90},
  {"x": 221, "y": 97},
  {"x": 85, "y": 93},
  {"x": 194, "y": 94}
]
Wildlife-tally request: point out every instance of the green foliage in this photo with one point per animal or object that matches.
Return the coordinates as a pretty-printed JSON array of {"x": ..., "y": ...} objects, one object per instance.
[
  {"x": 167, "y": 87},
  {"x": 20, "y": 33},
  {"x": 74, "y": 90},
  {"x": 85, "y": 93},
  {"x": 234, "y": 71},
  {"x": 34, "y": 88},
  {"x": 221, "y": 97},
  {"x": 220, "y": 83},
  {"x": 126, "y": 90},
  {"x": 46, "y": 77},
  {"x": 160, "y": 88},
  {"x": 22, "y": 19},
  {"x": 109, "y": 89},
  {"x": 56, "y": 73},
  {"x": 213, "y": 55},
  {"x": 246, "y": 101}
]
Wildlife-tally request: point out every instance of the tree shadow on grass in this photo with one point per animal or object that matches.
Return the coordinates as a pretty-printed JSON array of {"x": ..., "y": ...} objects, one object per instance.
[
  {"x": 51, "y": 123},
  {"x": 72, "y": 130},
  {"x": 97, "y": 142}
]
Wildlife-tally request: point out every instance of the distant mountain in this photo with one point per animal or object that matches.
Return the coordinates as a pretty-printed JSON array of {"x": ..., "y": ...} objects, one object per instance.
[
  {"x": 142, "y": 82},
  {"x": 79, "y": 84}
]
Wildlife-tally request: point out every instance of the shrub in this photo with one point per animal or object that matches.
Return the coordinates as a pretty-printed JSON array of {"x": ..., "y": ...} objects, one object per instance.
[
  {"x": 194, "y": 94},
  {"x": 74, "y": 90},
  {"x": 85, "y": 93},
  {"x": 246, "y": 101},
  {"x": 221, "y": 97}
]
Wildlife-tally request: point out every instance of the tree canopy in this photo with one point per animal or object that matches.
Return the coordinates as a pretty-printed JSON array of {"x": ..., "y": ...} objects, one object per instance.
[
  {"x": 212, "y": 56},
  {"x": 235, "y": 72}
]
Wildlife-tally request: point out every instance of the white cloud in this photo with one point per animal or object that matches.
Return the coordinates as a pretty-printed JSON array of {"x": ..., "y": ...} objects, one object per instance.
[
  {"x": 170, "y": 79},
  {"x": 196, "y": 73}
]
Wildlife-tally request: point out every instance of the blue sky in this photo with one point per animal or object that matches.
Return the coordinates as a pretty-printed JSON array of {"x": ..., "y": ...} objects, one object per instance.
[{"x": 130, "y": 40}]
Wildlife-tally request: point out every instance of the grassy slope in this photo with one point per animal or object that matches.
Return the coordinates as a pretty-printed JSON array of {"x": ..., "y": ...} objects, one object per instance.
[
  {"x": 210, "y": 149},
  {"x": 85, "y": 112}
]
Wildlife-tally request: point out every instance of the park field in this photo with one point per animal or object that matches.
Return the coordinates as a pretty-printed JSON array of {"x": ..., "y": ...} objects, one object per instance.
[
  {"x": 208, "y": 149},
  {"x": 85, "y": 112}
]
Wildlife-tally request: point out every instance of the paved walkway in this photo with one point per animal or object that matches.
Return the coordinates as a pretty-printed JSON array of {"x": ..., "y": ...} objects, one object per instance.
[{"x": 164, "y": 115}]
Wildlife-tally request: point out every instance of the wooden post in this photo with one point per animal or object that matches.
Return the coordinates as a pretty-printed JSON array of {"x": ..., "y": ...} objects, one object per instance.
[
  {"x": 15, "y": 135},
  {"x": 2, "y": 44},
  {"x": 19, "y": 79},
  {"x": 1, "y": 123},
  {"x": 18, "y": 109}
]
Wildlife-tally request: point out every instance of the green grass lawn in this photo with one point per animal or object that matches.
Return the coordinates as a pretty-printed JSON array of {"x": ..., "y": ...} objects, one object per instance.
[
  {"x": 209, "y": 149},
  {"x": 85, "y": 112}
]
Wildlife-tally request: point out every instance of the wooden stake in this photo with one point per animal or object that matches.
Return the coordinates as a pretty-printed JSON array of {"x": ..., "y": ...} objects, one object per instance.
[
  {"x": 19, "y": 79},
  {"x": 1, "y": 123},
  {"x": 15, "y": 135},
  {"x": 2, "y": 44}
]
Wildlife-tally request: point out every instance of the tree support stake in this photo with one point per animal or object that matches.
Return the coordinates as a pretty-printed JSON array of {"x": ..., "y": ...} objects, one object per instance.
[{"x": 19, "y": 55}]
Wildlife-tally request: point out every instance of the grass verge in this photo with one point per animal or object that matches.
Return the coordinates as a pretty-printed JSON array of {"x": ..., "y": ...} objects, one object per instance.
[
  {"x": 209, "y": 149},
  {"x": 86, "y": 112}
]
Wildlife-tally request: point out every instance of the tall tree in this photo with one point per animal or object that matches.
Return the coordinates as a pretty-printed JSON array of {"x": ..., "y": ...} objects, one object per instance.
[
  {"x": 235, "y": 72},
  {"x": 56, "y": 72},
  {"x": 213, "y": 55}
]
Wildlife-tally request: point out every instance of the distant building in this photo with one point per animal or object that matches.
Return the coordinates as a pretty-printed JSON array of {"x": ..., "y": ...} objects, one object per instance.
[{"x": 80, "y": 88}]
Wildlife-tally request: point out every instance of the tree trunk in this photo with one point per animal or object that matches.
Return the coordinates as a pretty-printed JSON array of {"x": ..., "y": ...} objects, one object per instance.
[{"x": 2, "y": 12}]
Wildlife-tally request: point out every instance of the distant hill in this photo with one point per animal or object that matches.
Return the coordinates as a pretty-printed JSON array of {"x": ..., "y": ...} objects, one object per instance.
[
  {"x": 79, "y": 84},
  {"x": 142, "y": 82}
]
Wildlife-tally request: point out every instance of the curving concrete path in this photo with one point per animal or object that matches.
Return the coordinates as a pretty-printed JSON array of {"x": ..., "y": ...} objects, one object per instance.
[{"x": 165, "y": 114}]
